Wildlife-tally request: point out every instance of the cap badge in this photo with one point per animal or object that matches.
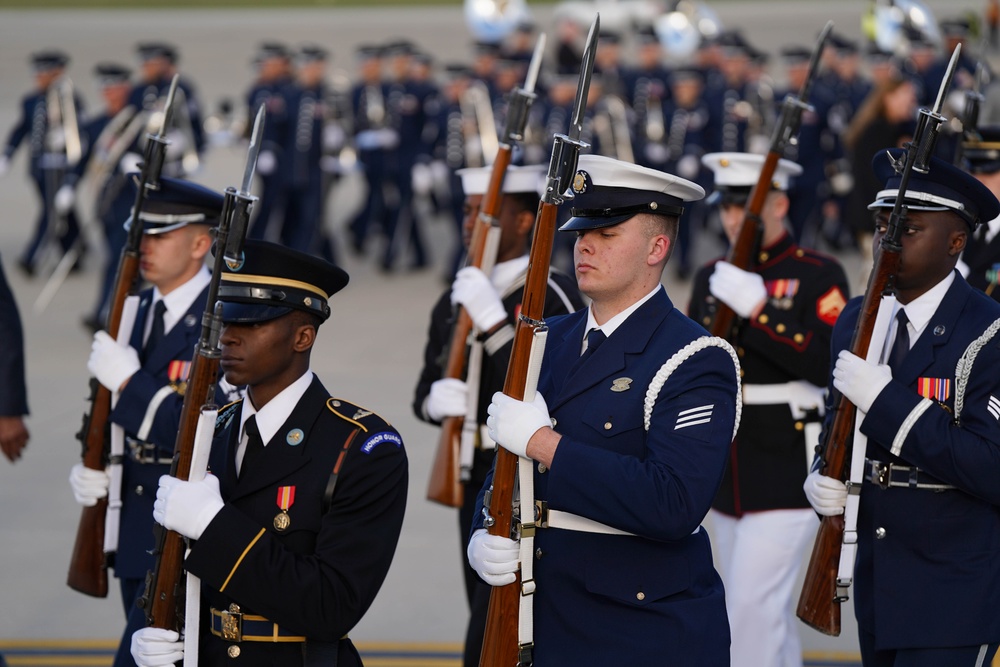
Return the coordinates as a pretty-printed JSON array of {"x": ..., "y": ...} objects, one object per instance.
[
  {"x": 294, "y": 437},
  {"x": 236, "y": 266},
  {"x": 580, "y": 182},
  {"x": 724, "y": 162},
  {"x": 307, "y": 301},
  {"x": 621, "y": 384}
]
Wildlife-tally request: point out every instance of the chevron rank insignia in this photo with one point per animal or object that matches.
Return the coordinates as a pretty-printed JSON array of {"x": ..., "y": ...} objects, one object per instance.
[
  {"x": 694, "y": 416},
  {"x": 993, "y": 405}
]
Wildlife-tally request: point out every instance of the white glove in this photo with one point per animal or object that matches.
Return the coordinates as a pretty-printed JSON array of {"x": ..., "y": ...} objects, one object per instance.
[
  {"x": 741, "y": 290},
  {"x": 828, "y": 496},
  {"x": 4, "y": 165},
  {"x": 494, "y": 557},
  {"x": 266, "y": 163},
  {"x": 130, "y": 163},
  {"x": 688, "y": 167},
  {"x": 88, "y": 485},
  {"x": 187, "y": 507},
  {"x": 511, "y": 422},
  {"x": 449, "y": 397},
  {"x": 422, "y": 179},
  {"x": 63, "y": 201},
  {"x": 112, "y": 364},
  {"x": 156, "y": 647},
  {"x": 473, "y": 290},
  {"x": 858, "y": 380}
]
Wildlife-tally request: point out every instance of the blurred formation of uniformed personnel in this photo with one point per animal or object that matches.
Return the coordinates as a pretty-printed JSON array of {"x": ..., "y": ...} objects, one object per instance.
[
  {"x": 762, "y": 522},
  {"x": 623, "y": 569},
  {"x": 43, "y": 124},
  {"x": 298, "y": 523},
  {"x": 307, "y": 109},
  {"x": 980, "y": 263},
  {"x": 150, "y": 374},
  {"x": 926, "y": 579},
  {"x": 493, "y": 302},
  {"x": 13, "y": 391},
  {"x": 111, "y": 149},
  {"x": 273, "y": 62},
  {"x": 157, "y": 66}
]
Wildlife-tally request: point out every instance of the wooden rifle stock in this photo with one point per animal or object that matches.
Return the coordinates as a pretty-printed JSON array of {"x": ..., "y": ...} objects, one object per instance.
[
  {"x": 163, "y": 601},
  {"x": 743, "y": 253},
  {"x": 87, "y": 569},
  {"x": 88, "y": 572},
  {"x": 500, "y": 647},
  {"x": 819, "y": 602},
  {"x": 445, "y": 485}
]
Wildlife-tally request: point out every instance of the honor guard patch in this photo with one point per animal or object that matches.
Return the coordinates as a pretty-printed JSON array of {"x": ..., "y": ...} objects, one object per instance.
[
  {"x": 829, "y": 305},
  {"x": 936, "y": 389},
  {"x": 993, "y": 406},
  {"x": 694, "y": 416},
  {"x": 379, "y": 438}
]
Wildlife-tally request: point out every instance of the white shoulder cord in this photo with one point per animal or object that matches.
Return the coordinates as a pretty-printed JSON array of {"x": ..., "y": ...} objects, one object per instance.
[
  {"x": 964, "y": 366},
  {"x": 678, "y": 358}
]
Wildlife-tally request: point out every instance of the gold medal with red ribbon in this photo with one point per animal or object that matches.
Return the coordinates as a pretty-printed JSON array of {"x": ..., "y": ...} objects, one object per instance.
[{"x": 286, "y": 498}]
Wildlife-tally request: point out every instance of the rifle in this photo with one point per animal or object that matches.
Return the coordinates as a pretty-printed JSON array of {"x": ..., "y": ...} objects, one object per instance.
[
  {"x": 445, "y": 485},
  {"x": 502, "y": 647},
  {"x": 744, "y": 251},
  {"x": 163, "y": 599},
  {"x": 88, "y": 568},
  {"x": 823, "y": 590}
]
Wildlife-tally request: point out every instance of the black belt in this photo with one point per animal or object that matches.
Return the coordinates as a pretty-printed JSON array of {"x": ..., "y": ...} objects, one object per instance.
[
  {"x": 145, "y": 452},
  {"x": 234, "y": 626},
  {"x": 885, "y": 475}
]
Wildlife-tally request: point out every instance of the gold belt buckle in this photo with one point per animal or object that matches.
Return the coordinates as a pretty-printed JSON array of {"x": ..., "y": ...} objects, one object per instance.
[{"x": 232, "y": 623}]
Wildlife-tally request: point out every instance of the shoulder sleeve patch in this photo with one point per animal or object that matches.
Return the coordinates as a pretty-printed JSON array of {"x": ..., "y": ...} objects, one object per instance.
[
  {"x": 829, "y": 305},
  {"x": 379, "y": 438}
]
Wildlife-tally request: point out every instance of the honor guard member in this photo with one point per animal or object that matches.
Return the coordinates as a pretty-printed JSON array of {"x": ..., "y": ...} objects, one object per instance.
[
  {"x": 308, "y": 113},
  {"x": 980, "y": 263},
  {"x": 375, "y": 140},
  {"x": 158, "y": 65},
  {"x": 407, "y": 100},
  {"x": 647, "y": 92},
  {"x": 761, "y": 519},
  {"x": 728, "y": 91},
  {"x": 297, "y": 524},
  {"x": 926, "y": 581},
  {"x": 493, "y": 302},
  {"x": 47, "y": 154},
  {"x": 274, "y": 77},
  {"x": 687, "y": 136},
  {"x": 150, "y": 374},
  {"x": 13, "y": 390},
  {"x": 642, "y": 426},
  {"x": 809, "y": 194},
  {"x": 110, "y": 148}
]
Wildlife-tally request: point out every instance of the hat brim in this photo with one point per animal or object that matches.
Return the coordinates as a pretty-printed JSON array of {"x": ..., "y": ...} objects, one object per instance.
[
  {"x": 251, "y": 313},
  {"x": 579, "y": 223}
]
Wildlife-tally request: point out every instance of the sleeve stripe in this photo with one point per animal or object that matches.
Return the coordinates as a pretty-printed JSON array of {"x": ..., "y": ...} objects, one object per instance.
[
  {"x": 154, "y": 405},
  {"x": 909, "y": 423},
  {"x": 240, "y": 559}
]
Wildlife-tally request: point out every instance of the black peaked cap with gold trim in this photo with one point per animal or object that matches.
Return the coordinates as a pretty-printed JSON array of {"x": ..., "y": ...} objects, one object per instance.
[
  {"x": 607, "y": 192},
  {"x": 982, "y": 150},
  {"x": 273, "y": 281}
]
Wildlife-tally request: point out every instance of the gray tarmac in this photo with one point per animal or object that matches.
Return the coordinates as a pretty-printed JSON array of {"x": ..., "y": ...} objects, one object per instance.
[{"x": 370, "y": 352}]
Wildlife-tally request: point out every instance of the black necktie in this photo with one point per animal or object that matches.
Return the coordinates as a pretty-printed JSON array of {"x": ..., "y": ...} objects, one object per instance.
[
  {"x": 594, "y": 339},
  {"x": 156, "y": 331},
  {"x": 901, "y": 345},
  {"x": 255, "y": 445}
]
